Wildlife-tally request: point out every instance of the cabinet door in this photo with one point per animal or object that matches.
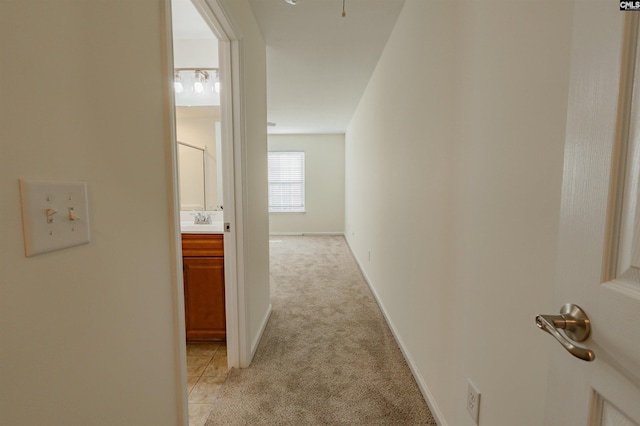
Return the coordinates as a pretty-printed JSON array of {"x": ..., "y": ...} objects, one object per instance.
[{"x": 204, "y": 298}]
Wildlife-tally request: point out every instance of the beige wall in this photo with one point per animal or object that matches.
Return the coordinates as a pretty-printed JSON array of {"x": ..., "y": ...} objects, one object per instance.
[
  {"x": 87, "y": 333},
  {"x": 324, "y": 181},
  {"x": 466, "y": 111}
]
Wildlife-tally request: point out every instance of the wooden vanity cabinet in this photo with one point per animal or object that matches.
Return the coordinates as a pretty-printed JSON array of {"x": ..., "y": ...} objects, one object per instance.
[{"x": 203, "y": 268}]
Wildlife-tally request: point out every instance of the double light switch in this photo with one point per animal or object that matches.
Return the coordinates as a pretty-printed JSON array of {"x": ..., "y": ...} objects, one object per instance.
[{"x": 55, "y": 215}]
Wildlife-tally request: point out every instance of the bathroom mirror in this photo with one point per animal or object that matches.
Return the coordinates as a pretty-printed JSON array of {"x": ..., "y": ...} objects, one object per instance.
[{"x": 198, "y": 133}]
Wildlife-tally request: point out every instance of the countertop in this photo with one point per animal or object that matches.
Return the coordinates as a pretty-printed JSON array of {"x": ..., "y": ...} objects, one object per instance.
[{"x": 210, "y": 228}]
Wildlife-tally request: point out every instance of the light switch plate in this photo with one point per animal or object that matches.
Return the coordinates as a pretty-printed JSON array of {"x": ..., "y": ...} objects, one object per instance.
[{"x": 55, "y": 215}]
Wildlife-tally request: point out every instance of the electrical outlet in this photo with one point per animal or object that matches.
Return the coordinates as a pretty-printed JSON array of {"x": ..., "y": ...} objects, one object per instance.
[{"x": 473, "y": 401}]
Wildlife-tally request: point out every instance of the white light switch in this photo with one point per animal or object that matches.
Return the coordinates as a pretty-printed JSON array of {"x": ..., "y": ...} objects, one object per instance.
[{"x": 55, "y": 215}]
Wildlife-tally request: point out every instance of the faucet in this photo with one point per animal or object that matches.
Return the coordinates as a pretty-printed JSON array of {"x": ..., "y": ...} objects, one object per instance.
[{"x": 201, "y": 218}]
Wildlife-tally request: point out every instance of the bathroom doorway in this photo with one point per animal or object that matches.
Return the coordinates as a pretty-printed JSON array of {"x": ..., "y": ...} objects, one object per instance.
[{"x": 215, "y": 183}]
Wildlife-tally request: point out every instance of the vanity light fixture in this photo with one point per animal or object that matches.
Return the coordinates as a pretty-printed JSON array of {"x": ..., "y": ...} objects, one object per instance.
[
  {"x": 195, "y": 80},
  {"x": 177, "y": 82}
]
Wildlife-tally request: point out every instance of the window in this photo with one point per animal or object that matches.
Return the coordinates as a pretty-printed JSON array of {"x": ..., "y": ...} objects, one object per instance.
[{"x": 286, "y": 181}]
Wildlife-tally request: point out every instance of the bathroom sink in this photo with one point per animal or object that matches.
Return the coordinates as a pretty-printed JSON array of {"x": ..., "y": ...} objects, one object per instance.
[{"x": 209, "y": 228}]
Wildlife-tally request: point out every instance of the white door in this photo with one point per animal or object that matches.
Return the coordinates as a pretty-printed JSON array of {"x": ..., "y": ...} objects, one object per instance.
[{"x": 599, "y": 236}]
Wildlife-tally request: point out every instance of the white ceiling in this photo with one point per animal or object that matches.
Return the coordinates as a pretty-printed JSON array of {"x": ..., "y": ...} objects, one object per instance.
[
  {"x": 187, "y": 23},
  {"x": 319, "y": 63}
]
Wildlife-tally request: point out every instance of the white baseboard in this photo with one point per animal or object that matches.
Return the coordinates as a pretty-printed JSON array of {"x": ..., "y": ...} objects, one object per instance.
[
  {"x": 276, "y": 234},
  {"x": 256, "y": 341},
  {"x": 424, "y": 389}
]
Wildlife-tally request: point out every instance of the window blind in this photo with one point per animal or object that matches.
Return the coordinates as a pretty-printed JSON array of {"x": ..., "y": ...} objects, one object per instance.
[{"x": 286, "y": 181}]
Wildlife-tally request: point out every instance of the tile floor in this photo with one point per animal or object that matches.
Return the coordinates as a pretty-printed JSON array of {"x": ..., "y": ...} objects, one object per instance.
[{"x": 206, "y": 371}]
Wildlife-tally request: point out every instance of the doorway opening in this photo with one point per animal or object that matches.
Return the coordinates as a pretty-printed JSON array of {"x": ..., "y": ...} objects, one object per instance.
[{"x": 207, "y": 144}]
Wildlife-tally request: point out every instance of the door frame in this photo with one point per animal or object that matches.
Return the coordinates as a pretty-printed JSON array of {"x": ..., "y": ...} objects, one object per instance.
[
  {"x": 229, "y": 45},
  {"x": 232, "y": 122}
]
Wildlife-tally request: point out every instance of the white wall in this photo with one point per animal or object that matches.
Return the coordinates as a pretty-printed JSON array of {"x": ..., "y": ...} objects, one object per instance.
[
  {"x": 324, "y": 184},
  {"x": 87, "y": 334},
  {"x": 195, "y": 53},
  {"x": 466, "y": 111}
]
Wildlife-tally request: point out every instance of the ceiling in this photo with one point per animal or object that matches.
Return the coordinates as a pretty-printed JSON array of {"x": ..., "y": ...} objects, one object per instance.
[
  {"x": 187, "y": 23},
  {"x": 319, "y": 63}
]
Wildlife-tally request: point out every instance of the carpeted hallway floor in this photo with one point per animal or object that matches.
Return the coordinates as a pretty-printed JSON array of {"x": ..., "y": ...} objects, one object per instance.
[{"x": 327, "y": 356}]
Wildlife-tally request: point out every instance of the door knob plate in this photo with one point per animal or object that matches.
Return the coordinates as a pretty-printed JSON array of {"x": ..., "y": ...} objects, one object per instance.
[{"x": 578, "y": 327}]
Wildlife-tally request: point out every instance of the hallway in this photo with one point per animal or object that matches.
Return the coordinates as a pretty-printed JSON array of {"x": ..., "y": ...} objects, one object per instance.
[{"x": 327, "y": 355}]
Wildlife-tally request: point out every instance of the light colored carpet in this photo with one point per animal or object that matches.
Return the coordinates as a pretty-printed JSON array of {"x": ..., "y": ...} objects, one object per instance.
[{"x": 327, "y": 356}]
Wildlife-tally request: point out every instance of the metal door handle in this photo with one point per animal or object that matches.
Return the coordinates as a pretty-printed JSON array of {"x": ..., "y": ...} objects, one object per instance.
[{"x": 576, "y": 326}]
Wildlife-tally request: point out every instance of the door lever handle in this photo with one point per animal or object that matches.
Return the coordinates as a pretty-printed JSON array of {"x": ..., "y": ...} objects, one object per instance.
[{"x": 576, "y": 326}]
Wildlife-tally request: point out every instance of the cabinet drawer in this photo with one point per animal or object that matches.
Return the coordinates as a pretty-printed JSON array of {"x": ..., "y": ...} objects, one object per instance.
[{"x": 208, "y": 245}]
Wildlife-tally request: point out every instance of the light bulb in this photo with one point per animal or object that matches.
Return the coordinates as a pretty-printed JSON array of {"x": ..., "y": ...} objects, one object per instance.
[
  {"x": 177, "y": 83},
  {"x": 201, "y": 78}
]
